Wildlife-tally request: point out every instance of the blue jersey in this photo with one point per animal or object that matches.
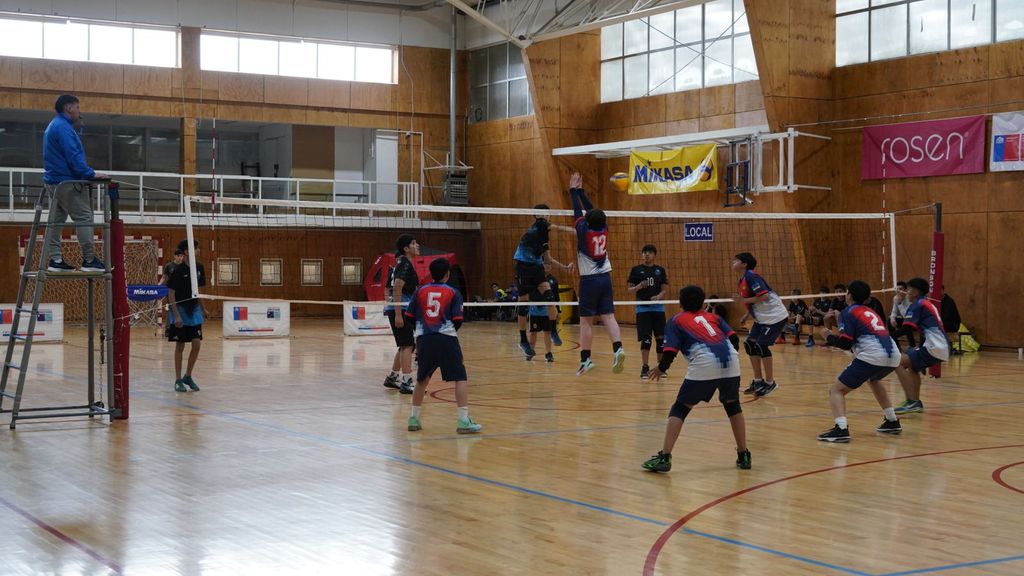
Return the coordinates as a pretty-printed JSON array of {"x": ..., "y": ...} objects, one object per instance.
[
  {"x": 924, "y": 316},
  {"x": 592, "y": 249},
  {"x": 703, "y": 338},
  {"x": 435, "y": 307},
  {"x": 768, "y": 311},
  {"x": 534, "y": 243},
  {"x": 871, "y": 340}
]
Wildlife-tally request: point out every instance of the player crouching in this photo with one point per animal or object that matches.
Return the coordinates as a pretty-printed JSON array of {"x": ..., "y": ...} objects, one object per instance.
[{"x": 710, "y": 347}]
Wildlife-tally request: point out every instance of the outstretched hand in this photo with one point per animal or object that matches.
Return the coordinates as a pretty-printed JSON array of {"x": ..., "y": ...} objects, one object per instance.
[
  {"x": 576, "y": 180},
  {"x": 655, "y": 374}
]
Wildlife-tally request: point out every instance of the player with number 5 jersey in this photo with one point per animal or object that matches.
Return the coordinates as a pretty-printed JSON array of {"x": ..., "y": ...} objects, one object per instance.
[
  {"x": 437, "y": 310},
  {"x": 595, "y": 292}
]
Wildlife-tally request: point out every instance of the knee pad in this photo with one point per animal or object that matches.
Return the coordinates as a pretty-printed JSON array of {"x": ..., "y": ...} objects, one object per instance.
[
  {"x": 766, "y": 352},
  {"x": 732, "y": 408},
  {"x": 660, "y": 345},
  {"x": 645, "y": 344},
  {"x": 679, "y": 410},
  {"x": 752, "y": 348}
]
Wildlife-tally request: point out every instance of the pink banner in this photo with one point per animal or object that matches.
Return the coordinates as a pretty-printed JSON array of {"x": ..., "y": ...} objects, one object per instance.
[{"x": 932, "y": 148}]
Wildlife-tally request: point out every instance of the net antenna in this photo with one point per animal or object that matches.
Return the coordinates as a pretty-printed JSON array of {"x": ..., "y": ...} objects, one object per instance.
[{"x": 748, "y": 148}]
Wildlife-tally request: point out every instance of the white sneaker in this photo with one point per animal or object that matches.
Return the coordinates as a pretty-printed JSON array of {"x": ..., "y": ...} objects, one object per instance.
[
  {"x": 619, "y": 361},
  {"x": 585, "y": 367}
]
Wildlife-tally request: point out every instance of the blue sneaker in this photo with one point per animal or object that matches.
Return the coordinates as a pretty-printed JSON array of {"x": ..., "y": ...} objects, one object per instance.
[
  {"x": 810, "y": 343},
  {"x": 555, "y": 338},
  {"x": 527, "y": 350},
  {"x": 61, "y": 266},
  {"x": 94, "y": 265}
]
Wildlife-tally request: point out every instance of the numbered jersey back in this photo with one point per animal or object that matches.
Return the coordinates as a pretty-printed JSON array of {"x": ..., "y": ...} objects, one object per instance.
[
  {"x": 703, "y": 338},
  {"x": 435, "y": 307},
  {"x": 592, "y": 249},
  {"x": 871, "y": 340}
]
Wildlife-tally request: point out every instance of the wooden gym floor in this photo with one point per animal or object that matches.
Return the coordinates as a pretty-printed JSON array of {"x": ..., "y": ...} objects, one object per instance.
[{"x": 293, "y": 459}]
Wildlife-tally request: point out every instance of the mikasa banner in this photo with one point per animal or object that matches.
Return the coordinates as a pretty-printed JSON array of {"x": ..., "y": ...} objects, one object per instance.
[
  {"x": 672, "y": 171},
  {"x": 932, "y": 148}
]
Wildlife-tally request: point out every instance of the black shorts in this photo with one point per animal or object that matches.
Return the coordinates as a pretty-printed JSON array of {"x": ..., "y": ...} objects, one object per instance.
[
  {"x": 649, "y": 323},
  {"x": 921, "y": 360},
  {"x": 528, "y": 279},
  {"x": 403, "y": 336},
  {"x": 859, "y": 372},
  {"x": 540, "y": 324},
  {"x": 440, "y": 351},
  {"x": 696, "y": 391},
  {"x": 185, "y": 333}
]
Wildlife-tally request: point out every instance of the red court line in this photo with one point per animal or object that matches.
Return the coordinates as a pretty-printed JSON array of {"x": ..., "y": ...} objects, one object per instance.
[
  {"x": 997, "y": 475},
  {"x": 62, "y": 536},
  {"x": 652, "y": 555}
]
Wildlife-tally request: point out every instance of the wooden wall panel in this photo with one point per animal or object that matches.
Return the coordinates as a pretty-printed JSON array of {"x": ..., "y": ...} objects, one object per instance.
[
  {"x": 1005, "y": 321},
  {"x": 313, "y": 152}
]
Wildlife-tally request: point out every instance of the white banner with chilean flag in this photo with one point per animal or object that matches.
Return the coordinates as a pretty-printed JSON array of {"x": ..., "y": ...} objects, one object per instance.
[
  {"x": 244, "y": 318},
  {"x": 365, "y": 319},
  {"x": 49, "y": 323}
]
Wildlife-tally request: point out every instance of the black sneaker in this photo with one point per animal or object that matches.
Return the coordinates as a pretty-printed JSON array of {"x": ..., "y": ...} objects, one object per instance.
[
  {"x": 765, "y": 389},
  {"x": 549, "y": 357},
  {"x": 890, "y": 427},
  {"x": 645, "y": 372},
  {"x": 754, "y": 385},
  {"x": 743, "y": 460},
  {"x": 406, "y": 387},
  {"x": 660, "y": 462},
  {"x": 61, "y": 266},
  {"x": 836, "y": 434},
  {"x": 94, "y": 265},
  {"x": 391, "y": 382}
]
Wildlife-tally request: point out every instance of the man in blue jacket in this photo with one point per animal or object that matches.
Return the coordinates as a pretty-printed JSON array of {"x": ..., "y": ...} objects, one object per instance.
[{"x": 63, "y": 160}]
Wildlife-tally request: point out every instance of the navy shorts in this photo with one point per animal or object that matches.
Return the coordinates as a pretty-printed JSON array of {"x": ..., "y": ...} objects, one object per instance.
[
  {"x": 596, "y": 295},
  {"x": 920, "y": 359},
  {"x": 859, "y": 372},
  {"x": 440, "y": 351},
  {"x": 648, "y": 324},
  {"x": 540, "y": 324},
  {"x": 528, "y": 278},
  {"x": 404, "y": 335},
  {"x": 696, "y": 391},
  {"x": 766, "y": 334}
]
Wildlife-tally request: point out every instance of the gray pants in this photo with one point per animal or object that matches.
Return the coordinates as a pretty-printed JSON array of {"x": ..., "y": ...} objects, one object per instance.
[{"x": 69, "y": 199}]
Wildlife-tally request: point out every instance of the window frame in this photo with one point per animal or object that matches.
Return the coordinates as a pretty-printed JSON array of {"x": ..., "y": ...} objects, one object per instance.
[
  {"x": 280, "y": 271},
  {"x": 489, "y": 86},
  {"x": 238, "y": 271},
  {"x": 350, "y": 260},
  {"x": 302, "y": 271}
]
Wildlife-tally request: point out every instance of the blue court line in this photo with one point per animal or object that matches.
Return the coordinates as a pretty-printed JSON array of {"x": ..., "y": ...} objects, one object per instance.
[
  {"x": 776, "y": 552},
  {"x": 955, "y": 566}
]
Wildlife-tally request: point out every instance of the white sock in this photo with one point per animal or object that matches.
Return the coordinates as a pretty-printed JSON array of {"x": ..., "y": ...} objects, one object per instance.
[
  {"x": 890, "y": 414},
  {"x": 407, "y": 377},
  {"x": 772, "y": 381},
  {"x": 463, "y": 413},
  {"x": 416, "y": 411},
  {"x": 841, "y": 422}
]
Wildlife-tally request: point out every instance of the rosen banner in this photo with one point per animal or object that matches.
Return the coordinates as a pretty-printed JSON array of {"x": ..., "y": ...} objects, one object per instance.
[
  {"x": 933, "y": 148},
  {"x": 672, "y": 171},
  {"x": 1007, "y": 142}
]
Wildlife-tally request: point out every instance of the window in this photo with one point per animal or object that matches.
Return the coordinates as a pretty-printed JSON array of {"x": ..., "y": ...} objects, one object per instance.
[
  {"x": 699, "y": 46},
  {"x": 352, "y": 271},
  {"x": 312, "y": 272},
  {"x": 297, "y": 57},
  {"x": 60, "y": 38},
  {"x": 270, "y": 272},
  {"x": 882, "y": 29},
  {"x": 499, "y": 88},
  {"x": 229, "y": 271}
]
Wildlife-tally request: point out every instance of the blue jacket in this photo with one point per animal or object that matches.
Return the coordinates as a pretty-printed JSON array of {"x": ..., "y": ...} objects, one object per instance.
[{"x": 63, "y": 155}]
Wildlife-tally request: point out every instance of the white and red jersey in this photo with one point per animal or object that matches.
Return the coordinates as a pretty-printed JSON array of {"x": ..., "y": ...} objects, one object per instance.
[
  {"x": 703, "y": 337},
  {"x": 767, "y": 311},
  {"x": 871, "y": 340},
  {"x": 592, "y": 249},
  {"x": 924, "y": 316}
]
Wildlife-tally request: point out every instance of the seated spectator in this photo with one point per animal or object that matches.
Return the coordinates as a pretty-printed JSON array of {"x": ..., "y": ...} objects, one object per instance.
[
  {"x": 716, "y": 308},
  {"x": 900, "y": 305},
  {"x": 950, "y": 317},
  {"x": 499, "y": 294},
  {"x": 835, "y": 307},
  {"x": 799, "y": 315}
]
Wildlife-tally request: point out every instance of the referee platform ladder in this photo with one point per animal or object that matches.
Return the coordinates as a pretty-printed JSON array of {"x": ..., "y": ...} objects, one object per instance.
[{"x": 36, "y": 269}]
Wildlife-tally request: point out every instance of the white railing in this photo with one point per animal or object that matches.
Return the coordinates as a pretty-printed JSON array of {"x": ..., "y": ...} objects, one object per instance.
[{"x": 146, "y": 195}]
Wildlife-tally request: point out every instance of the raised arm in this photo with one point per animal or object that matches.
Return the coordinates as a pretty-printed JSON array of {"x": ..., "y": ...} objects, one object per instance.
[{"x": 580, "y": 202}]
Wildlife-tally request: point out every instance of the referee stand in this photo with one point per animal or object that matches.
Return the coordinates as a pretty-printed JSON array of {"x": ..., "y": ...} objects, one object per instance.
[{"x": 108, "y": 280}]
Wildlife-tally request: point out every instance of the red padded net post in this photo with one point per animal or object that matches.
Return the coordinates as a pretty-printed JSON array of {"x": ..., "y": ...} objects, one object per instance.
[{"x": 122, "y": 313}]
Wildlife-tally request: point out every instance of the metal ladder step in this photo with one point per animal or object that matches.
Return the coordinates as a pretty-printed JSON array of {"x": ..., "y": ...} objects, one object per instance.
[{"x": 12, "y": 365}]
